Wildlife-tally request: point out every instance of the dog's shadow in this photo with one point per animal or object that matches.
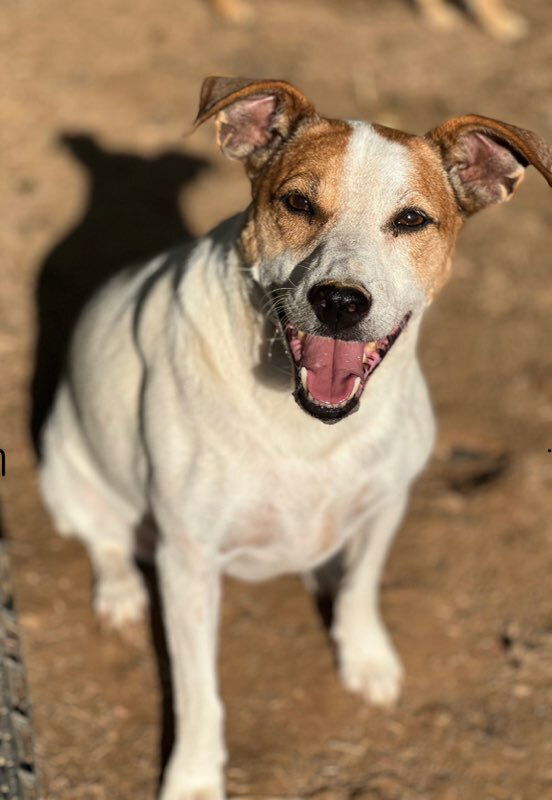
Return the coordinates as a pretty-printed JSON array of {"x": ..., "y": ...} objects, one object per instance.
[{"x": 132, "y": 213}]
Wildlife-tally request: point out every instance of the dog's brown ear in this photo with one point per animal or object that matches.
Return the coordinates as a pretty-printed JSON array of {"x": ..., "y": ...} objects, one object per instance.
[
  {"x": 253, "y": 117},
  {"x": 485, "y": 159}
]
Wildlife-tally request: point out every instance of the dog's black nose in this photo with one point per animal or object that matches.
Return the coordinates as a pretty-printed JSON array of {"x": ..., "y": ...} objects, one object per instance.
[{"x": 338, "y": 306}]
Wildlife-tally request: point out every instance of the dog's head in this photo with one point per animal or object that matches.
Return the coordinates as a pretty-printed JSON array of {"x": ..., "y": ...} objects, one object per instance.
[{"x": 352, "y": 226}]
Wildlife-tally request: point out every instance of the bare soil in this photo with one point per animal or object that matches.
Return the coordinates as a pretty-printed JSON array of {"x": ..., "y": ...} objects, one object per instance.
[{"x": 95, "y": 98}]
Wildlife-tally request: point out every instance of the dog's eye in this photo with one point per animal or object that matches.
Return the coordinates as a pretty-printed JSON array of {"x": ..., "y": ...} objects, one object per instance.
[
  {"x": 298, "y": 203},
  {"x": 410, "y": 219}
]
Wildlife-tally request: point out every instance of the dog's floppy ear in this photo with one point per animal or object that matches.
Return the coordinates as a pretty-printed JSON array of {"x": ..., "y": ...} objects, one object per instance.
[
  {"x": 485, "y": 159},
  {"x": 253, "y": 117}
]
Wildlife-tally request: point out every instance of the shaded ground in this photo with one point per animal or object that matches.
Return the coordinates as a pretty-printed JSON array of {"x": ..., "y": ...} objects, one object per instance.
[{"x": 96, "y": 96}]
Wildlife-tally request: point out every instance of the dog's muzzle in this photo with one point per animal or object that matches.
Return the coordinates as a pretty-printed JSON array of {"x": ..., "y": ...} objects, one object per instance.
[{"x": 331, "y": 373}]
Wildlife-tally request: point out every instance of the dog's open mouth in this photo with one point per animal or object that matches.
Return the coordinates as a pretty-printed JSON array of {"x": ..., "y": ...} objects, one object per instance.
[{"x": 331, "y": 373}]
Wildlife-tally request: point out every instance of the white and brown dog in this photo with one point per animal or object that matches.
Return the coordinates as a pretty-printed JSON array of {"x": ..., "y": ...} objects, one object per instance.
[{"x": 169, "y": 409}]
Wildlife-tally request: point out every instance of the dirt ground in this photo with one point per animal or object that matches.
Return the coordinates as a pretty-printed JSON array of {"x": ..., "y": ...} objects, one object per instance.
[{"x": 95, "y": 98}]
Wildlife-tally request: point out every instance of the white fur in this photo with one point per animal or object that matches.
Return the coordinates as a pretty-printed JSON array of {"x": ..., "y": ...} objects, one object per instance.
[{"x": 163, "y": 413}]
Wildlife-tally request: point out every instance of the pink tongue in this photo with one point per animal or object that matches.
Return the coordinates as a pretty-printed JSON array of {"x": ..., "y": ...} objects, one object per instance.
[{"x": 332, "y": 366}]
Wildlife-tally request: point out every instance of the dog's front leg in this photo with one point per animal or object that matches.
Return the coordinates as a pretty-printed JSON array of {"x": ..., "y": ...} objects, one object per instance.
[
  {"x": 190, "y": 588},
  {"x": 368, "y": 661}
]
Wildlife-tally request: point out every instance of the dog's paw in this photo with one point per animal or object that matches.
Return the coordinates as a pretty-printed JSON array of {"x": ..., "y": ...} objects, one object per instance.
[
  {"x": 203, "y": 793},
  {"x": 442, "y": 17},
  {"x": 375, "y": 672},
  {"x": 237, "y": 12},
  {"x": 120, "y": 603},
  {"x": 177, "y": 790},
  {"x": 507, "y": 27}
]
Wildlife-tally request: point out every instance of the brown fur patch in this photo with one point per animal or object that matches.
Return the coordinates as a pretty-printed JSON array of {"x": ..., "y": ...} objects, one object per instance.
[
  {"x": 433, "y": 247},
  {"x": 393, "y": 134},
  {"x": 311, "y": 163}
]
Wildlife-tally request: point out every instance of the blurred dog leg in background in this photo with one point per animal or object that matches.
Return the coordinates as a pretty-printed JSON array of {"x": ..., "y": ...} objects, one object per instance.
[
  {"x": 492, "y": 15},
  {"x": 497, "y": 20},
  {"x": 439, "y": 13},
  {"x": 238, "y": 11}
]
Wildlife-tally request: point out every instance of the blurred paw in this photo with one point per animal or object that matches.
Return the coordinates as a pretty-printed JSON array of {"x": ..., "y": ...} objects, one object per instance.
[
  {"x": 238, "y": 12},
  {"x": 176, "y": 789},
  {"x": 120, "y": 603},
  {"x": 204, "y": 793},
  {"x": 441, "y": 16},
  {"x": 373, "y": 672},
  {"x": 506, "y": 26}
]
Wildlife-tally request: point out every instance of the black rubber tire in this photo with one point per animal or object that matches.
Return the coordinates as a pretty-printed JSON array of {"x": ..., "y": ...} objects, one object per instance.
[{"x": 18, "y": 780}]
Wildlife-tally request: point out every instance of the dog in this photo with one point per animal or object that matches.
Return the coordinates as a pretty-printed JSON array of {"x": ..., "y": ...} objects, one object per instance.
[
  {"x": 491, "y": 15},
  {"x": 171, "y": 407}
]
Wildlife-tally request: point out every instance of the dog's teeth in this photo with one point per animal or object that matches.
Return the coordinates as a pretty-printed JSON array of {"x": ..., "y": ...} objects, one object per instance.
[
  {"x": 369, "y": 348},
  {"x": 303, "y": 373},
  {"x": 355, "y": 389},
  {"x": 301, "y": 335}
]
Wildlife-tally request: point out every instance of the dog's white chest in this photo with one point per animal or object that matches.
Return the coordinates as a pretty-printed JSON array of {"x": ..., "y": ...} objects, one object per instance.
[{"x": 290, "y": 522}]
